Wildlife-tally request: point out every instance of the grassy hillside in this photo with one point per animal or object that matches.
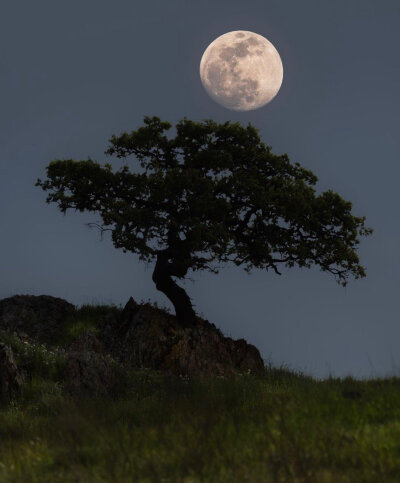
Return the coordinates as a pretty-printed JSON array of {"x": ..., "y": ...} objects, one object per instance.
[{"x": 282, "y": 427}]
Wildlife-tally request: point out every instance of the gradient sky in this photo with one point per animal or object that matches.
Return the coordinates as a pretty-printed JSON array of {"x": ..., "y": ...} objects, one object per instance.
[{"x": 73, "y": 73}]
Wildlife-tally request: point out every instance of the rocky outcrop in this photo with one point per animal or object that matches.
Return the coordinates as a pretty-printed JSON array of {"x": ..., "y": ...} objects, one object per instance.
[
  {"x": 10, "y": 377},
  {"x": 89, "y": 373},
  {"x": 37, "y": 316},
  {"x": 87, "y": 342},
  {"x": 150, "y": 338},
  {"x": 141, "y": 336}
]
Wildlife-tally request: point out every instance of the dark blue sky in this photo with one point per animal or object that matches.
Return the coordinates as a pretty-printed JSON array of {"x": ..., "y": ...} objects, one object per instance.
[{"x": 73, "y": 73}]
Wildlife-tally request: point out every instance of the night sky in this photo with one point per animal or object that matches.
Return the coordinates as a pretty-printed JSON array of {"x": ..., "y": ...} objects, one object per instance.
[{"x": 74, "y": 73}]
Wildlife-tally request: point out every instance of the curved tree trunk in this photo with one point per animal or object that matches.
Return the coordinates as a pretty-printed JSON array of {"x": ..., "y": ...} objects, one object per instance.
[{"x": 162, "y": 277}]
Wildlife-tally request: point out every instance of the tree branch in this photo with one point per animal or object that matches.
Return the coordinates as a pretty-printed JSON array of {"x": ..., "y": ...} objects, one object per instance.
[{"x": 99, "y": 227}]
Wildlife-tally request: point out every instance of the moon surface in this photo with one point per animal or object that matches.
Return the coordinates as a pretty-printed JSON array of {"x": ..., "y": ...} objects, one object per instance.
[{"x": 241, "y": 70}]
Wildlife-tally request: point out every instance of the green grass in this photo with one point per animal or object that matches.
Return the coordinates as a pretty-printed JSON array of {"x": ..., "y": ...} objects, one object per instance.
[
  {"x": 283, "y": 427},
  {"x": 86, "y": 317}
]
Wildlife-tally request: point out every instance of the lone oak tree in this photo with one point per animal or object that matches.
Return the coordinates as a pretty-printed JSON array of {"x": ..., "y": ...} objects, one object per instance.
[{"x": 214, "y": 193}]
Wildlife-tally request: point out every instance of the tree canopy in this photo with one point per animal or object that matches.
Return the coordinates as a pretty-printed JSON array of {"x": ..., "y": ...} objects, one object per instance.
[{"x": 214, "y": 193}]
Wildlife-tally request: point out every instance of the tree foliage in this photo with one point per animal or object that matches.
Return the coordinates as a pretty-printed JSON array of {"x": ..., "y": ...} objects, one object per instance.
[
  {"x": 216, "y": 192},
  {"x": 212, "y": 194}
]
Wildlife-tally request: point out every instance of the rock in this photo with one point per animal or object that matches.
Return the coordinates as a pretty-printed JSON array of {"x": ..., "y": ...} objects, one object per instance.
[
  {"x": 130, "y": 310},
  {"x": 155, "y": 340},
  {"x": 87, "y": 342},
  {"x": 246, "y": 357},
  {"x": 141, "y": 336},
  {"x": 112, "y": 326},
  {"x": 148, "y": 338},
  {"x": 199, "y": 353},
  {"x": 37, "y": 316},
  {"x": 89, "y": 373},
  {"x": 10, "y": 377}
]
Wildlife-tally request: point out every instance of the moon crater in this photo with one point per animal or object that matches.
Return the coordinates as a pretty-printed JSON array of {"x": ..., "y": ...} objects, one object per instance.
[{"x": 241, "y": 70}]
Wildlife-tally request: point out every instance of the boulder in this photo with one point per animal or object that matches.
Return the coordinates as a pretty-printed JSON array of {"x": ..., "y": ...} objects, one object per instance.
[
  {"x": 130, "y": 310},
  {"x": 10, "y": 377},
  {"x": 245, "y": 356},
  {"x": 89, "y": 373},
  {"x": 153, "y": 339},
  {"x": 87, "y": 342},
  {"x": 37, "y": 316},
  {"x": 141, "y": 336},
  {"x": 146, "y": 339}
]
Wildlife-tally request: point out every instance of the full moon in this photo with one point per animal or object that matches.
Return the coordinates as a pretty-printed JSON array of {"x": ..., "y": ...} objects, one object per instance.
[{"x": 241, "y": 70}]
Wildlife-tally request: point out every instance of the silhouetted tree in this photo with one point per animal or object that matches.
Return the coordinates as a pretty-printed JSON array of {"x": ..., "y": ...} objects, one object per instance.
[{"x": 214, "y": 193}]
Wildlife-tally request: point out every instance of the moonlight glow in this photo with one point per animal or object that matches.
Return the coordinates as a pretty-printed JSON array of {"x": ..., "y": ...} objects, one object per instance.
[{"x": 241, "y": 70}]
